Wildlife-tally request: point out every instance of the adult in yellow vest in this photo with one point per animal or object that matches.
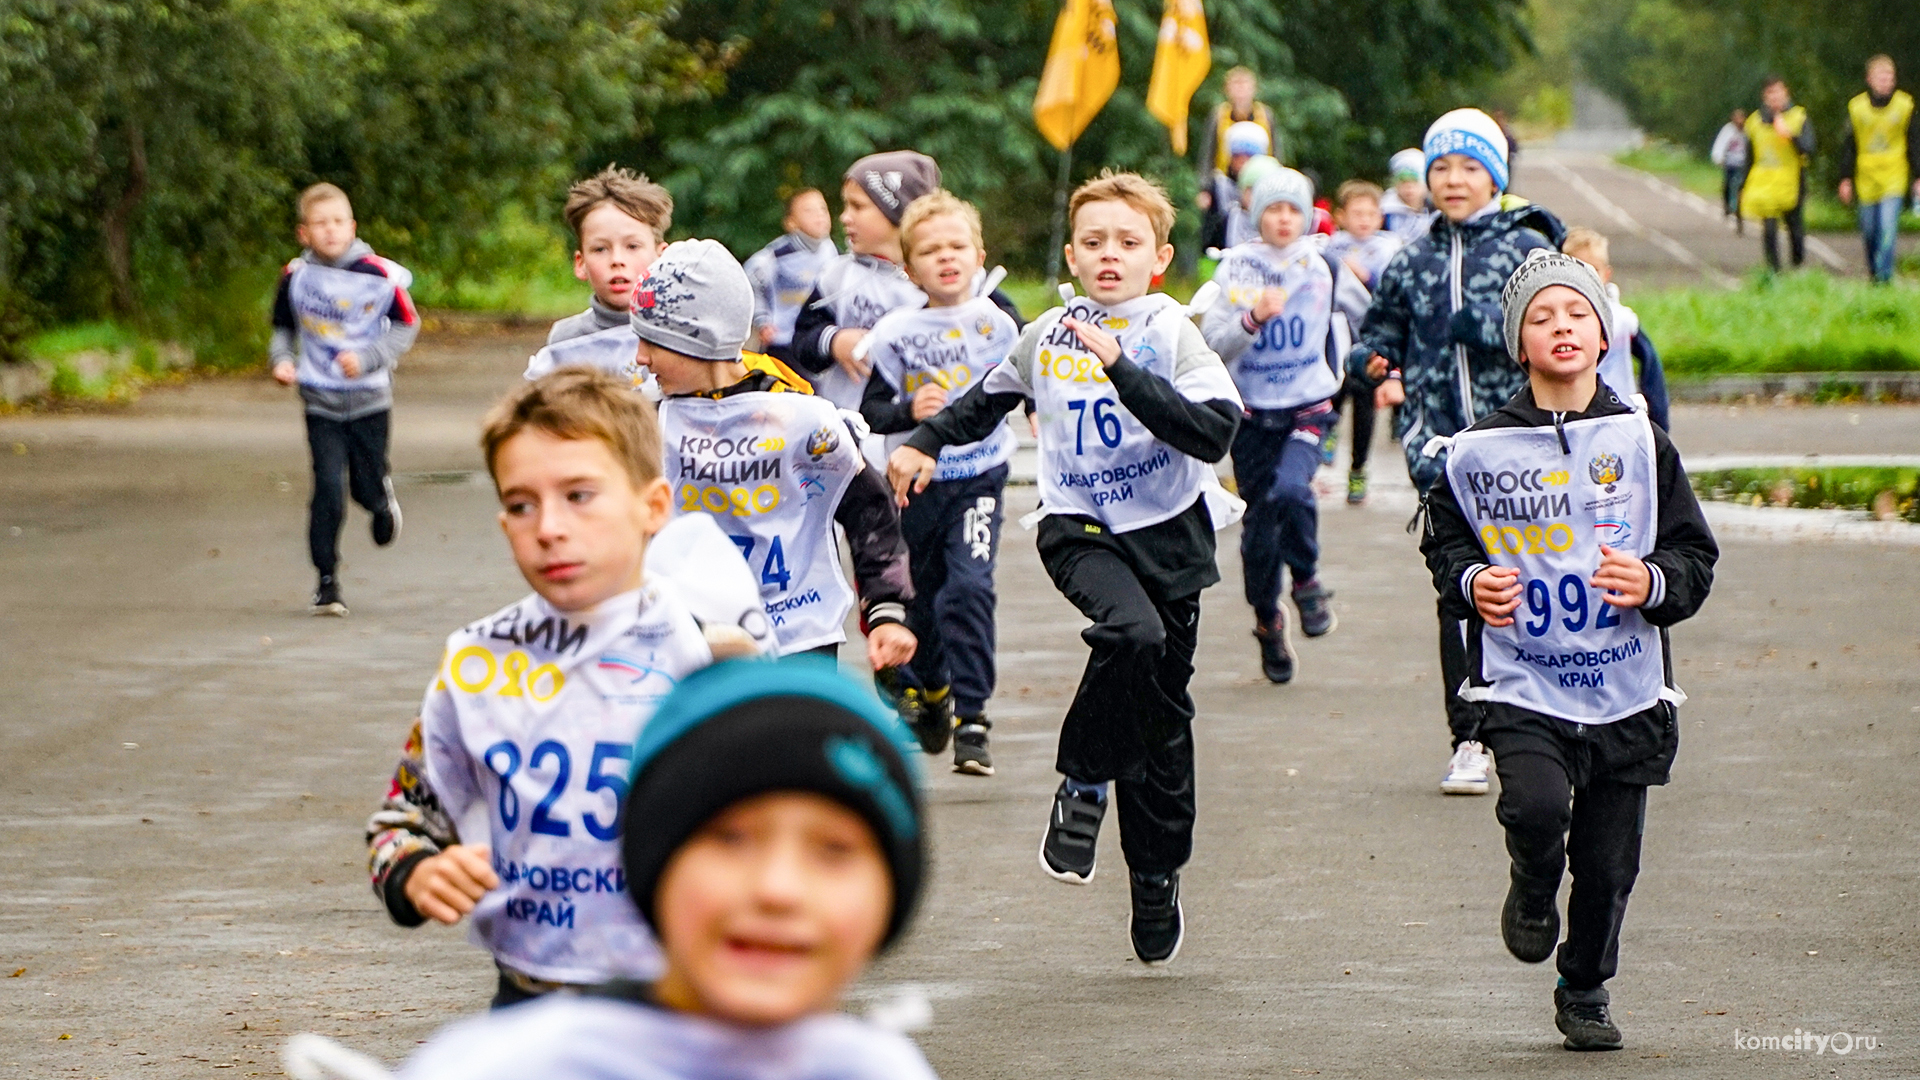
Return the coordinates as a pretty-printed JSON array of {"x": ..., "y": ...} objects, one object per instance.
[
  {"x": 1214, "y": 155},
  {"x": 1780, "y": 140},
  {"x": 1880, "y": 161}
]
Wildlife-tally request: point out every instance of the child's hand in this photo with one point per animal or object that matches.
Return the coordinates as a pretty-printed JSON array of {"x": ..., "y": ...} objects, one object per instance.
[
  {"x": 349, "y": 364},
  {"x": 445, "y": 887},
  {"x": 1389, "y": 393},
  {"x": 909, "y": 471},
  {"x": 1359, "y": 270},
  {"x": 1272, "y": 302},
  {"x": 928, "y": 400},
  {"x": 843, "y": 343},
  {"x": 1376, "y": 367},
  {"x": 890, "y": 645},
  {"x": 1625, "y": 579},
  {"x": 1104, "y": 346},
  {"x": 766, "y": 336},
  {"x": 283, "y": 372},
  {"x": 1496, "y": 592}
]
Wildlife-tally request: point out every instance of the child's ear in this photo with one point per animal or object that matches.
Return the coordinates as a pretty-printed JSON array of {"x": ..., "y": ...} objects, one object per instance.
[
  {"x": 1163, "y": 259},
  {"x": 580, "y": 265},
  {"x": 656, "y": 500}
]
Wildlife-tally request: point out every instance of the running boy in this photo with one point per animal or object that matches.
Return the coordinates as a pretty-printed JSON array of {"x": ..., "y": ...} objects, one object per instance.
[
  {"x": 1274, "y": 326},
  {"x": 341, "y": 321},
  {"x": 1631, "y": 366},
  {"x": 775, "y": 466},
  {"x": 783, "y": 273},
  {"x": 1366, "y": 247},
  {"x": 506, "y": 805},
  {"x": 1407, "y": 212},
  {"x": 1133, "y": 407},
  {"x": 921, "y": 358},
  {"x": 1432, "y": 344},
  {"x": 1567, "y": 596},
  {"x": 775, "y": 842},
  {"x": 620, "y": 220}
]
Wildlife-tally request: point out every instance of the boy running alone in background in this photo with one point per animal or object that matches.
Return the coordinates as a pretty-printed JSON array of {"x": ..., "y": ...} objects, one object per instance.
[
  {"x": 1365, "y": 246},
  {"x": 505, "y": 808},
  {"x": 620, "y": 220},
  {"x": 774, "y": 466},
  {"x": 341, "y": 321},
  {"x": 775, "y": 841},
  {"x": 784, "y": 272},
  {"x": 1567, "y": 596},
  {"x": 1274, "y": 328},
  {"x": 1631, "y": 366},
  {"x": 1432, "y": 344},
  {"x": 1132, "y": 407},
  {"x": 921, "y": 359}
]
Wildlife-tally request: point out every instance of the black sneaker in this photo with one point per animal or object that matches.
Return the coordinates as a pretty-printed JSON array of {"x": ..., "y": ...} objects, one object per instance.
[
  {"x": 1316, "y": 608},
  {"x": 1276, "y": 648},
  {"x": 326, "y": 598},
  {"x": 386, "y": 523},
  {"x": 1582, "y": 1016},
  {"x": 1529, "y": 924},
  {"x": 1066, "y": 852},
  {"x": 1157, "y": 926},
  {"x": 970, "y": 754},
  {"x": 929, "y": 718}
]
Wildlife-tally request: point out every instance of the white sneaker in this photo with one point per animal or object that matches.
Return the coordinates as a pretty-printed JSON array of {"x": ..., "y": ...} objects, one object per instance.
[{"x": 1467, "y": 772}]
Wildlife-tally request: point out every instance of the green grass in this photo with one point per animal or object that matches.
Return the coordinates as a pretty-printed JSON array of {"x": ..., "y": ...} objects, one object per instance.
[
  {"x": 1888, "y": 492},
  {"x": 1797, "y": 322}
]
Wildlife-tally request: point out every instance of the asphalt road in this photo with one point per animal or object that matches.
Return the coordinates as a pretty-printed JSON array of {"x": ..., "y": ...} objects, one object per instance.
[{"x": 189, "y": 759}]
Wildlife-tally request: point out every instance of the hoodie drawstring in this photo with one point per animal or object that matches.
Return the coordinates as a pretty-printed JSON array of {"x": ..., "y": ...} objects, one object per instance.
[{"x": 1560, "y": 429}]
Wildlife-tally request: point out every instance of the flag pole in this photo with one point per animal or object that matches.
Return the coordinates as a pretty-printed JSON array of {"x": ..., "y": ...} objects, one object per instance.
[{"x": 1057, "y": 240}]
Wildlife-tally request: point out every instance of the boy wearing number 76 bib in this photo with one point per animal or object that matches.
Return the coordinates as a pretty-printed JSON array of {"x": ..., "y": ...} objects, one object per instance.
[
  {"x": 1133, "y": 408},
  {"x": 505, "y": 808},
  {"x": 1564, "y": 532}
]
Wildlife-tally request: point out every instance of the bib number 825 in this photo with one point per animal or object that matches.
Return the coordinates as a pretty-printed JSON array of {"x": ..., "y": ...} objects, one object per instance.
[{"x": 503, "y": 760}]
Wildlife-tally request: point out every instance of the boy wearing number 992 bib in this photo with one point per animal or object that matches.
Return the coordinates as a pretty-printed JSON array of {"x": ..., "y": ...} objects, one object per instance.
[
  {"x": 505, "y": 807},
  {"x": 1564, "y": 531},
  {"x": 1133, "y": 408}
]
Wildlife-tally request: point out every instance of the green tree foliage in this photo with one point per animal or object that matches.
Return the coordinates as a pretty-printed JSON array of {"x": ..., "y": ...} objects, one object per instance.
[
  {"x": 151, "y": 149},
  {"x": 1680, "y": 66},
  {"x": 814, "y": 84}
]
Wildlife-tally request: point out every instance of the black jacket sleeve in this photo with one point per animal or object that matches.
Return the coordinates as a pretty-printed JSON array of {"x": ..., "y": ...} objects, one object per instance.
[
  {"x": 813, "y": 335},
  {"x": 1005, "y": 303},
  {"x": 879, "y": 550},
  {"x": 283, "y": 318},
  {"x": 1198, "y": 429},
  {"x": 881, "y": 411},
  {"x": 970, "y": 419},
  {"x": 1683, "y": 546},
  {"x": 1450, "y": 547}
]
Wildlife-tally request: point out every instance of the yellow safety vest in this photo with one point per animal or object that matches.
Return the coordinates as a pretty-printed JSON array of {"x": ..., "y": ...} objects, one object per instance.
[
  {"x": 1880, "y": 141},
  {"x": 1773, "y": 181},
  {"x": 1223, "y": 119}
]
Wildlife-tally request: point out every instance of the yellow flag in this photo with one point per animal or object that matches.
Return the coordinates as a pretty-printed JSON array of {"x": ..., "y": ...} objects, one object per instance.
[
  {"x": 1083, "y": 67},
  {"x": 1180, "y": 64}
]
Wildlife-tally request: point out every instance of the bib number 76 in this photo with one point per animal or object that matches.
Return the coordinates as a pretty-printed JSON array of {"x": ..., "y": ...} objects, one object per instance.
[{"x": 1106, "y": 423}]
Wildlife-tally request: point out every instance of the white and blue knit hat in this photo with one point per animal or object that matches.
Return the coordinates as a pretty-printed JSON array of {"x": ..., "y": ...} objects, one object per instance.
[
  {"x": 1408, "y": 164},
  {"x": 1282, "y": 185},
  {"x": 1473, "y": 133},
  {"x": 1247, "y": 137}
]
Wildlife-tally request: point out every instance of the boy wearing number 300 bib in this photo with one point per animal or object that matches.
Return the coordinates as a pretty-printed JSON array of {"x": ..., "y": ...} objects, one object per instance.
[
  {"x": 1133, "y": 408},
  {"x": 505, "y": 808},
  {"x": 1564, "y": 531}
]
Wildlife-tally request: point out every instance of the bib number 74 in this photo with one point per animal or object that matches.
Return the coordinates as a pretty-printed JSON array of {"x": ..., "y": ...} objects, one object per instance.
[{"x": 773, "y": 571}]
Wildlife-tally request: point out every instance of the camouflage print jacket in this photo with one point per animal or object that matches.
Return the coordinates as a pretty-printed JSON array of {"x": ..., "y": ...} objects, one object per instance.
[
  {"x": 1436, "y": 318},
  {"x": 408, "y": 827}
]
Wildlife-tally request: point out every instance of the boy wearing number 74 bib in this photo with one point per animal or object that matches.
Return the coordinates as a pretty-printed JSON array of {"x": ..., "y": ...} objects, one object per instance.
[
  {"x": 505, "y": 808},
  {"x": 1564, "y": 531}
]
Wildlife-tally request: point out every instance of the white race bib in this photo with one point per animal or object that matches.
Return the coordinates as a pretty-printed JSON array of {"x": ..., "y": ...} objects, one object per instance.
[
  {"x": 339, "y": 311},
  {"x": 1286, "y": 366},
  {"x": 1546, "y": 512},
  {"x": 1097, "y": 459},
  {"x": 859, "y": 290},
  {"x": 770, "y": 469},
  {"x": 953, "y": 348},
  {"x": 613, "y": 350}
]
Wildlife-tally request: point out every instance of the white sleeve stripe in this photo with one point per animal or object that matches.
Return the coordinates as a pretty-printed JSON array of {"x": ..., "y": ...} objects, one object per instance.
[
  {"x": 1657, "y": 591},
  {"x": 1466, "y": 580}
]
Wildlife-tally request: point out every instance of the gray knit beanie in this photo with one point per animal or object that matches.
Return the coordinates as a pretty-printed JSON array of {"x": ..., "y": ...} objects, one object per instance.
[
  {"x": 1282, "y": 185},
  {"x": 894, "y": 179},
  {"x": 695, "y": 300},
  {"x": 1542, "y": 269}
]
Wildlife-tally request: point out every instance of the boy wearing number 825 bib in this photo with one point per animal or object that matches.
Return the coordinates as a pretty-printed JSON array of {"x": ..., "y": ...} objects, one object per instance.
[
  {"x": 1564, "y": 531},
  {"x": 1282, "y": 325},
  {"x": 506, "y": 805},
  {"x": 1132, "y": 408},
  {"x": 922, "y": 358}
]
